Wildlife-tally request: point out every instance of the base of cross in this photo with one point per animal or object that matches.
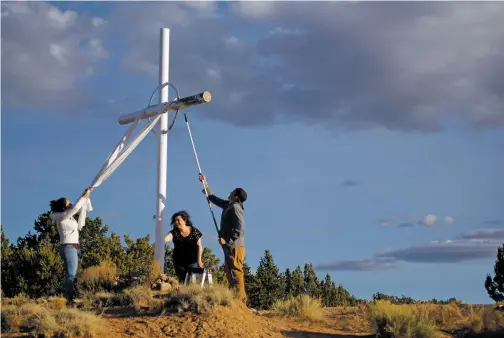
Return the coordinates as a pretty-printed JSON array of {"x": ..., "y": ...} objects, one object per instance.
[{"x": 206, "y": 275}]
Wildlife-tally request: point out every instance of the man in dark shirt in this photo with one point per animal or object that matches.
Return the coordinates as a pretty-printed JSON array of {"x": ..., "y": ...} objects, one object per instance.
[{"x": 232, "y": 235}]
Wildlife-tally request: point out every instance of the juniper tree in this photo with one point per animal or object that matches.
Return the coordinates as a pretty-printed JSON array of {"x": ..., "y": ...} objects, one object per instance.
[
  {"x": 297, "y": 282},
  {"x": 97, "y": 247},
  {"x": 8, "y": 275},
  {"x": 288, "y": 283},
  {"x": 328, "y": 292},
  {"x": 139, "y": 255},
  {"x": 311, "y": 281},
  {"x": 495, "y": 285},
  {"x": 252, "y": 287},
  {"x": 269, "y": 281}
]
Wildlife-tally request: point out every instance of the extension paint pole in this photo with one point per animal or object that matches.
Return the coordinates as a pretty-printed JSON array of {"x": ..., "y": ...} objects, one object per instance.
[
  {"x": 164, "y": 64},
  {"x": 199, "y": 170},
  {"x": 204, "y": 189}
]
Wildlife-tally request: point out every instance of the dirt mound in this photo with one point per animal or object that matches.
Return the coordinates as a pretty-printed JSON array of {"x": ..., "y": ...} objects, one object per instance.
[
  {"x": 215, "y": 316},
  {"x": 238, "y": 321},
  {"x": 221, "y": 322}
]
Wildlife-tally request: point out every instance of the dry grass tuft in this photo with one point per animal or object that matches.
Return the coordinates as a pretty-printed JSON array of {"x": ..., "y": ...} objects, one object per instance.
[
  {"x": 139, "y": 296},
  {"x": 303, "y": 306},
  {"x": 492, "y": 320},
  {"x": 40, "y": 320},
  {"x": 423, "y": 320},
  {"x": 192, "y": 298},
  {"x": 16, "y": 300},
  {"x": 98, "y": 278},
  {"x": 483, "y": 323},
  {"x": 52, "y": 303},
  {"x": 100, "y": 301},
  {"x": 450, "y": 316},
  {"x": 392, "y": 320}
]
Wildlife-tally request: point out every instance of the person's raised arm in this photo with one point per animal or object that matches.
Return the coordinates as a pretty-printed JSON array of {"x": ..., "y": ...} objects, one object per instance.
[
  {"x": 76, "y": 208},
  {"x": 221, "y": 203},
  {"x": 168, "y": 237},
  {"x": 200, "y": 253}
]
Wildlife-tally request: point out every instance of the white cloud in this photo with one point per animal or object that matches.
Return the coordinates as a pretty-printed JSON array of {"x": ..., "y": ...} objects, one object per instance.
[
  {"x": 286, "y": 31},
  {"x": 96, "y": 49},
  {"x": 255, "y": 9},
  {"x": 45, "y": 53},
  {"x": 429, "y": 220},
  {"x": 232, "y": 41},
  {"x": 61, "y": 20},
  {"x": 214, "y": 73},
  {"x": 202, "y": 4},
  {"x": 97, "y": 21},
  {"x": 58, "y": 52},
  {"x": 448, "y": 220}
]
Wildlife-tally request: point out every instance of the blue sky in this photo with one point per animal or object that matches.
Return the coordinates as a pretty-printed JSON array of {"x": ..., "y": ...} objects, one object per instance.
[{"x": 386, "y": 139}]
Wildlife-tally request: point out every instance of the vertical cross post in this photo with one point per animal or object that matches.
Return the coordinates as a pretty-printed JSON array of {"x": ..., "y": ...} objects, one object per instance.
[
  {"x": 163, "y": 108},
  {"x": 164, "y": 65}
]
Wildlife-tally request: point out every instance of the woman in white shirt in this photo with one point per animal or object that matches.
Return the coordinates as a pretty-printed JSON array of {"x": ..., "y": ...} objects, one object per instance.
[{"x": 63, "y": 216}]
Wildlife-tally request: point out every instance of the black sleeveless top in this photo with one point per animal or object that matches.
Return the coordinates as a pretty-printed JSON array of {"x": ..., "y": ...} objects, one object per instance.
[{"x": 185, "y": 250}]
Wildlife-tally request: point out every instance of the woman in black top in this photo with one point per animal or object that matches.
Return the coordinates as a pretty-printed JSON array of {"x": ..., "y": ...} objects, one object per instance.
[{"x": 187, "y": 244}]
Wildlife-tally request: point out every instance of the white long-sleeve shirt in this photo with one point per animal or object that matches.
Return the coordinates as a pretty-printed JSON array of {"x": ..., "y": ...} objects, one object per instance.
[{"x": 67, "y": 226}]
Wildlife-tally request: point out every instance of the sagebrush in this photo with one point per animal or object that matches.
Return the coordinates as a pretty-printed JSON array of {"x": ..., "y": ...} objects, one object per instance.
[{"x": 303, "y": 306}]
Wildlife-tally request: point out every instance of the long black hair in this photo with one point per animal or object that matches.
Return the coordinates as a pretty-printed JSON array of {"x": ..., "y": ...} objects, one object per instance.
[
  {"x": 59, "y": 205},
  {"x": 185, "y": 216}
]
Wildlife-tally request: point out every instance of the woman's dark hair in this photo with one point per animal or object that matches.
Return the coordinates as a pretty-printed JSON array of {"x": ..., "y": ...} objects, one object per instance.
[
  {"x": 58, "y": 205},
  {"x": 185, "y": 216}
]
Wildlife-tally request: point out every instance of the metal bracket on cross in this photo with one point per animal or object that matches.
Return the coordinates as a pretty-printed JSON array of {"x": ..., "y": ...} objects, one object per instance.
[{"x": 177, "y": 104}]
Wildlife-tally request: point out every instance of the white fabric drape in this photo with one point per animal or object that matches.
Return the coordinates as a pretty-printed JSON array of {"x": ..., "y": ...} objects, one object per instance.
[{"x": 116, "y": 157}]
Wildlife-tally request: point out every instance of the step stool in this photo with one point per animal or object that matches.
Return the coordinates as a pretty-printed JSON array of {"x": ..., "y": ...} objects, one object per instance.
[{"x": 193, "y": 272}]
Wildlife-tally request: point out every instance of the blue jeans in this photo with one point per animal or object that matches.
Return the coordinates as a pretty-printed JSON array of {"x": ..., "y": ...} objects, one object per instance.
[
  {"x": 70, "y": 256},
  {"x": 181, "y": 271}
]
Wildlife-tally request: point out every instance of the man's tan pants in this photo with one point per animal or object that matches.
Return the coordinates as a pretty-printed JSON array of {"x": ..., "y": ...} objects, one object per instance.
[{"x": 234, "y": 270}]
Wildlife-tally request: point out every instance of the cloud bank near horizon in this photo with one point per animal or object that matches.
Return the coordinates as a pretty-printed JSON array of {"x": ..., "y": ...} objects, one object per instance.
[
  {"x": 410, "y": 221},
  {"x": 474, "y": 245}
]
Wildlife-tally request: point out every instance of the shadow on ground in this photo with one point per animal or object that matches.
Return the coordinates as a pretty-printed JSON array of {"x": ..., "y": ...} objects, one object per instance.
[{"x": 308, "y": 334}]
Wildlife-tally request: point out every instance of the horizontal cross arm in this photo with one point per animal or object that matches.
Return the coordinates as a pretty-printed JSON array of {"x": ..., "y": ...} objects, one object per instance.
[{"x": 165, "y": 107}]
